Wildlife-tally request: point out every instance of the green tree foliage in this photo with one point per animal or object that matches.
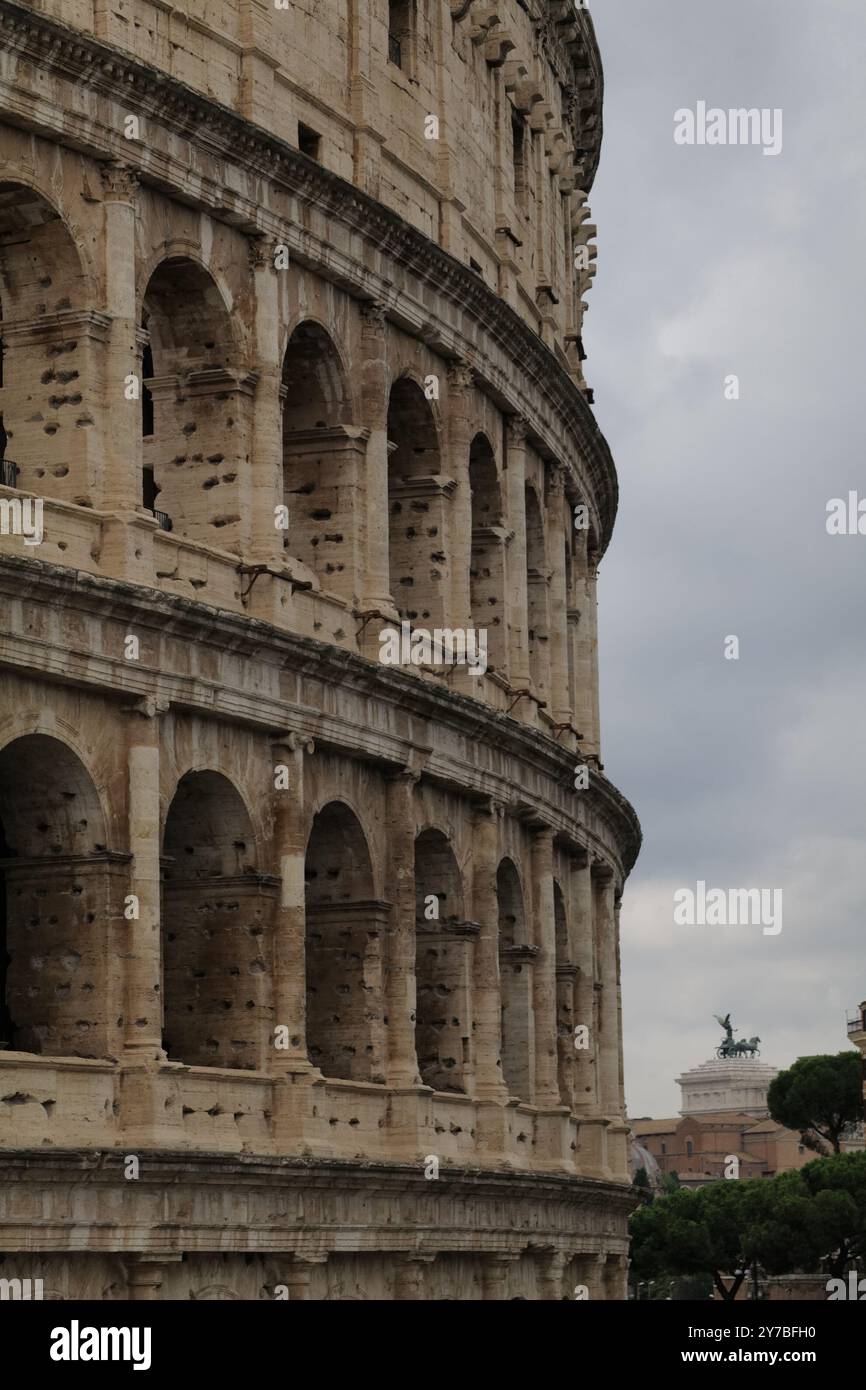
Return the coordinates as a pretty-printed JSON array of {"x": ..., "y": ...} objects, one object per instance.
[
  {"x": 805, "y": 1220},
  {"x": 819, "y": 1096}
]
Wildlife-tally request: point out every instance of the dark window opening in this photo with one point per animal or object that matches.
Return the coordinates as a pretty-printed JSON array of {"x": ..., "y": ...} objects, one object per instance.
[
  {"x": 518, "y": 157},
  {"x": 400, "y": 33},
  {"x": 147, "y": 373},
  {"x": 473, "y": 265},
  {"x": 7, "y": 1027},
  {"x": 309, "y": 141}
]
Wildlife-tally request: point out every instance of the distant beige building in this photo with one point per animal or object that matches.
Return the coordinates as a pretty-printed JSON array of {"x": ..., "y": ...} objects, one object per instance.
[
  {"x": 699, "y": 1148},
  {"x": 310, "y": 960}
]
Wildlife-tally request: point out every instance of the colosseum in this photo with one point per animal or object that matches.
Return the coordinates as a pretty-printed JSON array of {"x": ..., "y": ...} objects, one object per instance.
[{"x": 309, "y": 954}]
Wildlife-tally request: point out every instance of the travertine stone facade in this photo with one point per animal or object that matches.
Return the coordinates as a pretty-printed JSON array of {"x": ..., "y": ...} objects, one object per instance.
[{"x": 297, "y": 944}]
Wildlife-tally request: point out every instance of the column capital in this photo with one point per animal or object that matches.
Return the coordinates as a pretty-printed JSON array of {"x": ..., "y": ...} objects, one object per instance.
[
  {"x": 555, "y": 481},
  {"x": 148, "y": 707},
  {"x": 293, "y": 742},
  {"x": 374, "y": 316},
  {"x": 517, "y": 427},
  {"x": 260, "y": 253},
  {"x": 460, "y": 375},
  {"x": 489, "y": 806},
  {"x": 119, "y": 181}
]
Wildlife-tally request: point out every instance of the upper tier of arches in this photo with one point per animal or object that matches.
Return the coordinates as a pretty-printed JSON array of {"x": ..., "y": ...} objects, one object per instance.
[{"x": 271, "y": 417}]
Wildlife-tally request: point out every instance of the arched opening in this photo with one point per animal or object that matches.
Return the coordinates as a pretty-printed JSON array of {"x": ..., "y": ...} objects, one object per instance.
[
  {"x": 537, "y": 579},
  {"x": 443, "y": 967},
  {"x": 417, "y": 501},
  {"x": 566, "y": 974},
  {"x": 216, "y": 913},
  {"x": 486, "y": 573},
  {"x": 196, "y": 404},
  {"x": 48, "y": 345},
  {"x": 345, "y": 929},
  {"x": 62, "y": 906},
  {"x": 322, "y": 461},
  {"x": 516, "y": 956}
]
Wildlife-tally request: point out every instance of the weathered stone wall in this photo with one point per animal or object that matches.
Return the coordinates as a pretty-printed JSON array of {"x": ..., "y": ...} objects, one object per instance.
[{"x": 267, "y": 896}]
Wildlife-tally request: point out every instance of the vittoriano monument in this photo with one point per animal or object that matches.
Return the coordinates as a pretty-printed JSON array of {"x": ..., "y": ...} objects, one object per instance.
[{"x": 746, "y": 1047}]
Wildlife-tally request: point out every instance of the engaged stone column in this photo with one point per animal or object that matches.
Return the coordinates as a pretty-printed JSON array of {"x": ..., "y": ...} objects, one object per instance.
[
  {"x": 299, "y": 1276},
  {"x": 290, "y": 979},
  {"x": 544, "y": 974},
  {"x": 410, "y": 1277},
  {"x": 559, "y": 691},
  {"x": 458, "y": 542},
  {"x": 591, "y": 745},
  {"x": 550, "y": 1274},
  {"x": 265, "y": 491},
  {"x": 143, "y": 997},
  {"x": 605, "y": 928},
  {"x": 489, "y": 1081},
  {"x": 585, "y": 1071},
  {"x": 374, "y": 407},
  {"x": 494, "y": 1277},
  {"x": 120, "y": 486},
  {"x": 516, "y": 598},
  {"x": 402, "y": 1067},
  {"x": 615, "y": 1277},
  {"x": 145, "y": 1275},
  {"x": 590, "y": 1276}
]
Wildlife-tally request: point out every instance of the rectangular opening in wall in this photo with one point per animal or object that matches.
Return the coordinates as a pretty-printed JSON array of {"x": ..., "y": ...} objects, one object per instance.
[
  {"x": 518, "y": 157},
  {"x": 309, "y": 141},
  {"x": 400, "y": 33}
]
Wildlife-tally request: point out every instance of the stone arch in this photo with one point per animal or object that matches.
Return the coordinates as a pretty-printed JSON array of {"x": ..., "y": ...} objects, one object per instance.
[
  {"x": 216, "y": 910},
  {"x": 323, "y": 459},
  {"x": 516, "y": 956},
  {"x": 566, "y": 974},
  {"x": 418, "y": 498},
  {"x": 537, "y": 594},
  {"x": 345, "y": 927},
  {"x": 443, "y": 966},
  {"x": 60, "y": 906},
  {"x": 487, "y": 565},
  {"x": 50, "y": 336},
  {"x": 197, "y": 402}
]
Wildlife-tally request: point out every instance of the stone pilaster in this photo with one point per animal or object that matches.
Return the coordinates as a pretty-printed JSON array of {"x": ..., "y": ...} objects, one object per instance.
[
  {"x": 489, "y": 1083},
  {"x": 591, "y": 745},
  {"x": 590, "y": 1273},
  {"x": 459, "y": 539},
  {"x": 143, "y": 993},
  {"x": 402, "y": 1063},
  {"x": 494, "y": 1277},
  {"x": 516, "y": 595},
  {"x": 410, "y": 1278},
  {"x": 299, "y": 1276},
  {"x": 551, "y": 1269},
  {"x": 560, "y": 699},
  {"x": 374, "y": 412},
  {"x": 121, "y": 480},
  {"x": 605, "y": 928},
  {"x": 265, "y": 491},
  {"x": 544, "y": 974},
  {"x": 289, "y": 849}
]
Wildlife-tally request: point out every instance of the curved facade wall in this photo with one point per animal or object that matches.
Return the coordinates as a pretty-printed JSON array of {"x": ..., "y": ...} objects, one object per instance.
[{"x": 311, "y": 870}]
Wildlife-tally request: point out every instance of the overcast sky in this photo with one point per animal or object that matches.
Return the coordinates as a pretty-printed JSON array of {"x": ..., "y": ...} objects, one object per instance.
[{"x": 751, "y": 773}]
